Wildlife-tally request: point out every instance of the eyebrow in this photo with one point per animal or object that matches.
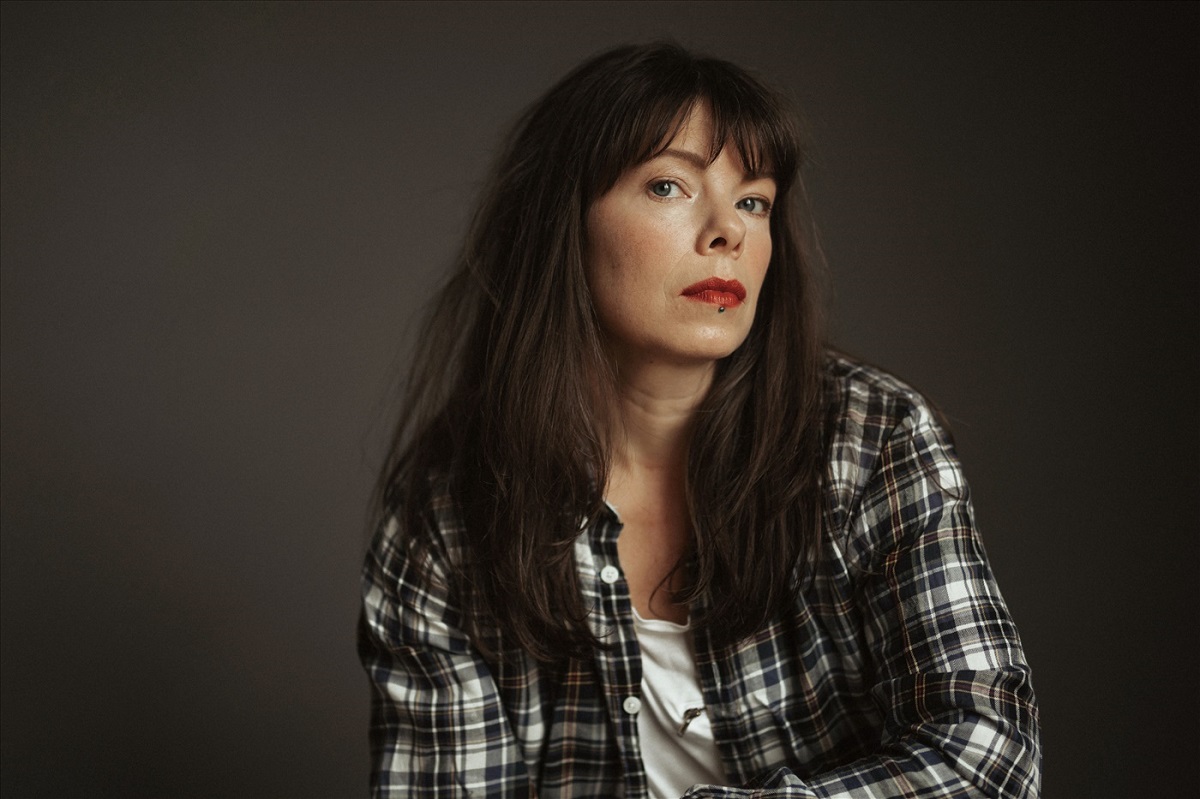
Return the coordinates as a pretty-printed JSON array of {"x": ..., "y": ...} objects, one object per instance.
[
  {"x": 701, "y": 162},
  {"x": 695, "y": 159}
]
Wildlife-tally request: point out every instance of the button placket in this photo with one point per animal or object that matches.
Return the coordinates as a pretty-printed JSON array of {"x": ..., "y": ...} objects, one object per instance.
[{"x": 618, "y": 667}]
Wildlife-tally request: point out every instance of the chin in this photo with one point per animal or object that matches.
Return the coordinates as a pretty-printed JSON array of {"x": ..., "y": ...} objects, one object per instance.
[
  {"x": 689, "y": 345},
  {"x": 721, "y": 343},
  {"x": 709, "y": 351}
]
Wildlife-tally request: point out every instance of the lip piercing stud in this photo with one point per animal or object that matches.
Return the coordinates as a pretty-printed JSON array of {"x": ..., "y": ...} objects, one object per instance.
[{"x": 721, "y": 309}]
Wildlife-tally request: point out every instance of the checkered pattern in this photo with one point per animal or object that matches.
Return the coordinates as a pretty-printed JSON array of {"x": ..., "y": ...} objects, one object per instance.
[{"x": 899, "y": 672}]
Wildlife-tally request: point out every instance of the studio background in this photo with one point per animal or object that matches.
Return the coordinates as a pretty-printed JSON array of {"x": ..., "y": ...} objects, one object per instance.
[{"x": 219, "y": 222}]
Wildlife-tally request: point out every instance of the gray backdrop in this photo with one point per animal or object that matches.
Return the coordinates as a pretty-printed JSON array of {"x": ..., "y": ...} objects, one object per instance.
[{"x": 219, "y": 220}]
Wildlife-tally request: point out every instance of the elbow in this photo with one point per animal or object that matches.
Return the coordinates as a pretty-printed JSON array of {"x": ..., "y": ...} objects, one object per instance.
[{"x": 999, "y": 760}]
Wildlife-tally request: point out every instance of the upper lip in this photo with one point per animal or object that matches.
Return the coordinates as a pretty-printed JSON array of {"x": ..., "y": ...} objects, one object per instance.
[{"x": 717, "y": 284}]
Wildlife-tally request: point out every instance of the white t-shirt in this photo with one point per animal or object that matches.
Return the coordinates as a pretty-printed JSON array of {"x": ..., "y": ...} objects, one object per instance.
[{"x": 671, "y": 702}]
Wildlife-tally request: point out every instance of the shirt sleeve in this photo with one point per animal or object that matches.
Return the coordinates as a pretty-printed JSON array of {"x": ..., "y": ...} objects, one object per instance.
[
  {"x": 950, "y": 673},
  {"x": 438, "y": 728}
]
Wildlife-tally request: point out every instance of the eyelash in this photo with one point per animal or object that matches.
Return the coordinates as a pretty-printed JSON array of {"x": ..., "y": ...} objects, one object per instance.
[
  {"x": 654, "y": 184},
  {"x": 766, "y": 205}
]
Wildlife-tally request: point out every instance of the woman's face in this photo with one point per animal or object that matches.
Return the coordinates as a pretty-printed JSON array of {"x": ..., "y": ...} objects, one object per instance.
[{"x": 677, "y": 251}]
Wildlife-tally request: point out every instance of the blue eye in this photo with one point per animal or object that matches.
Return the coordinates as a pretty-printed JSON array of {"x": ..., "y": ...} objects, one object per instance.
[
  {"x": 754, "y": 205},
  {"x": 662, "y": 188}
]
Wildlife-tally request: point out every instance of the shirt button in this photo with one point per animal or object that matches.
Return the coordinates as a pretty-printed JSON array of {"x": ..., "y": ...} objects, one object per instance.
[
  {"x": 631, "y": 705},
  {"x": 609, "y": 574}
]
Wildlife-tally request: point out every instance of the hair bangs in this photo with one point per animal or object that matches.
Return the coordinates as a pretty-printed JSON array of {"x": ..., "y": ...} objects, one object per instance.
[
  {"x": 646, "y": 111},
  {"x": 745, "y": 117}
]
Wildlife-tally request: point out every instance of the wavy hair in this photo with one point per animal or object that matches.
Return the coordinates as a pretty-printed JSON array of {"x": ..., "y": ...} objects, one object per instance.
[{"x": 501, "y": 396}]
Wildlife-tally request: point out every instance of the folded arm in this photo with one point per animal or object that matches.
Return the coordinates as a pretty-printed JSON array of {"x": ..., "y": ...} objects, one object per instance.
[{"x": 949, "y": 671}]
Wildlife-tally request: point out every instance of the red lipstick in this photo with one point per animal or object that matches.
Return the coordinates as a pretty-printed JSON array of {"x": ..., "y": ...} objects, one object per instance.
[{"x": 715, "y": 291}]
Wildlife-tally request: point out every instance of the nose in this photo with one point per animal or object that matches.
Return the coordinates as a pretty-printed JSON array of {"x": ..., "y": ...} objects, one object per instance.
[{"x": 723, "y": 232}]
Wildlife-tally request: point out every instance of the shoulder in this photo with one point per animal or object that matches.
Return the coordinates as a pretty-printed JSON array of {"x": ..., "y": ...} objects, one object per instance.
[
  {"x": 408, "y": 572},
  {"x": 876, "y": 400},
  {"x": 419, "y": 537},
  {"x": 887, "y": 449},
  {"x": 866, "y": 408}
]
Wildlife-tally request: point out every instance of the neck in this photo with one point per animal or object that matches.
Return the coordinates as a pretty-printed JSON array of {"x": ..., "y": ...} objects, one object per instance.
[{"x": 656, "y": 407}]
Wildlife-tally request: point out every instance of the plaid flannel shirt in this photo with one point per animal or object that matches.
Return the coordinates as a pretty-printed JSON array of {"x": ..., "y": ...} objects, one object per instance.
[{"x": 898, "y": 673}]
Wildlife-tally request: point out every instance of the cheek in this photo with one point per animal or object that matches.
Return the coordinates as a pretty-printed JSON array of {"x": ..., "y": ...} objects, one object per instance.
[
  {"x": 606, "y": 257},
  {"x": 760, "y": 258},
  {"x": 630, "y": 251},
  {"x": 765, "y": 244}
]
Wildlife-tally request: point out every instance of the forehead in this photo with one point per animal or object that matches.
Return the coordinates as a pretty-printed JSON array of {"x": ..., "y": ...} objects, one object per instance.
[{"x": 696, "y": 139}]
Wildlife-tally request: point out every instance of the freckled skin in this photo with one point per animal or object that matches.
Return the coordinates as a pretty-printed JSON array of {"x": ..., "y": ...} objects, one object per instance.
[{"x": 665, "y": 225}]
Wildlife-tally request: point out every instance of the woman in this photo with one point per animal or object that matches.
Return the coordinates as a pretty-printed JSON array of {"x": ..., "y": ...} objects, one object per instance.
[{"x": 641, "y": 534}]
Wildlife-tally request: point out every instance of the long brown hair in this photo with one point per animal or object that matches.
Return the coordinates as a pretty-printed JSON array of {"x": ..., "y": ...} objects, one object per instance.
[{"x": 501, "y": 394}]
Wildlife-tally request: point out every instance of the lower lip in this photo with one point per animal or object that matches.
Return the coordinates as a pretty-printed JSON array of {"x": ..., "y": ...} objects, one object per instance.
[{"x": 724, "y": 299}]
